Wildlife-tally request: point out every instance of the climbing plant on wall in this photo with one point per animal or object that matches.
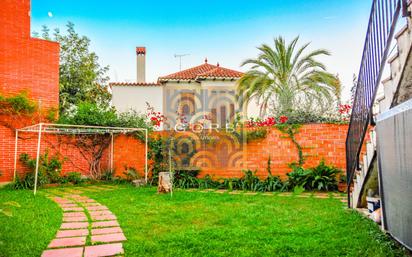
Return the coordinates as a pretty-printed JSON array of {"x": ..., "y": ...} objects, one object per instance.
[{"x": 291, "y": 130}]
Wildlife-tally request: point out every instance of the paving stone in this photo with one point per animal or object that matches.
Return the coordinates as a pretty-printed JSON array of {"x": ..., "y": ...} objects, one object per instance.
[
  {"x": 86, "y": 201},
  {"x": 285, "y": 194},
  {"x": 321, "y": 196},
  {"x": 103, "y": 250},
  {"x": 68, "y": 205},
  {"x": 97, "y": 208},
  {"x": 72, "y": 233},
  {"x": 70, "y": 209},
  {"x": 66, "y": 252},
  {"x": 67, "y": 242},
  {"x": 303, "y": 196},
  {"x": 99, "y": 213},
  {"x": 74, "y": 225},
  {"x": 268, "y": 194},
  {"x": 91, "y": 204},
  {"x": 61, "y": 200},
  {"x": 104, "y": 217},
  {"x": 109, "y": 238},
  {"x": 74, "y": 214},
  {"x": 102, "y": 231},
  {"x": 101, "y": 224},
  {"x": 71, "y": 195},
  {"x": 75, "y": 219}
]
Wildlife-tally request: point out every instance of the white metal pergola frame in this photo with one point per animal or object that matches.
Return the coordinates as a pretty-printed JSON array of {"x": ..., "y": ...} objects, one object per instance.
[{"x": 67, "y": 129}]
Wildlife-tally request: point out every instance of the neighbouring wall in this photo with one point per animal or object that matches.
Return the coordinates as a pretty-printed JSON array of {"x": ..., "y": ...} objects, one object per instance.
[{"x": 26, "y": 64}]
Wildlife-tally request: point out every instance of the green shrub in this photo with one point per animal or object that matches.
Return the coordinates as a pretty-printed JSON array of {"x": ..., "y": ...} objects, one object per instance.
[
  {"x": 250, "y": 181},
  {"x": 323, "y": 177},
  {"x": 207, "y": 182},
  {"x": 50, "y": 166},
  {"x": 27, "y": 182},
  {"x": 256, "y": 134},
  {"x": 186, "y": 179},
  {"x": 74, "y": 177},
  {"x": 107, "y": 175},
  {"x": 131, "y": 174},
  {"x": 299, "y": 177},
  {"x": 49, "y": 171},
  {"x": 230, "y": 184},
  {"x": 272, "y": 184}
]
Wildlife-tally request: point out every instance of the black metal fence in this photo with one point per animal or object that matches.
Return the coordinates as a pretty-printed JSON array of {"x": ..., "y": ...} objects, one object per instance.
[{"x": 382, "y": 22}]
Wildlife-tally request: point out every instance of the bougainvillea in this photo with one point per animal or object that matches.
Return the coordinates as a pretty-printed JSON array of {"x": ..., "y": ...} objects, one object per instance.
[
  {"x": 156, "y": 118},
  {"x": 267, "y": 122},
  {"x": 345, "y": 111},
  {"x": 283, "y": 119}
]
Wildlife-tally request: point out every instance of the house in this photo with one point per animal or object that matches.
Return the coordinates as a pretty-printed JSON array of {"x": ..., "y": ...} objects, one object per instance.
[{"x": 204, "y": 94}]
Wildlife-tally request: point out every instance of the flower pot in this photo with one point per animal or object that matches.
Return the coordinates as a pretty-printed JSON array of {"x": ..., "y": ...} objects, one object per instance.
[
  {"x": 342, "y": 187},
  {"x": 165, "y": 182}
]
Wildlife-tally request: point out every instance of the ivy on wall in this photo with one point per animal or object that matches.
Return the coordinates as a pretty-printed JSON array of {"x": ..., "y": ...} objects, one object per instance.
[
  {"x": 19, "y": 104},
  {"x": 292, "y": 130}
]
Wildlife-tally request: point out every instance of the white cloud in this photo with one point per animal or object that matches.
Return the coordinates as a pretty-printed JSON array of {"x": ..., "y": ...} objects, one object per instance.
[{"x": 50, "y": 14}]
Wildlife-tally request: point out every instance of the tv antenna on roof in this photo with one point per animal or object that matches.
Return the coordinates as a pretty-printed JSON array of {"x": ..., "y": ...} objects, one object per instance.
[{"x": 180, "y": 59}]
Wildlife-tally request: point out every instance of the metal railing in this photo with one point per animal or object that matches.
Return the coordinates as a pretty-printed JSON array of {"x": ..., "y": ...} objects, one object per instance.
[{"x": 382, "y": 23}]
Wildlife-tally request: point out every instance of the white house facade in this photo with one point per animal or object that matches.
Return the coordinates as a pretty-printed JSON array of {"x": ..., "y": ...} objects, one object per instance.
[{"x": 205, "y": 93}]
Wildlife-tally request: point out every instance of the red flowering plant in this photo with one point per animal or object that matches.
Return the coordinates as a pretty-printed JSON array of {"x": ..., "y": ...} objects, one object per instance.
[
  {"x": 345, "y": 111},
  {"x": 156, "y": 118},
  {"x": 267, "y": 122}
]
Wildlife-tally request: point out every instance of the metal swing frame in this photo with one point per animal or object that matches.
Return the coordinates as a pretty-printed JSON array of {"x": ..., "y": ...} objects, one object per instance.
[{"x": 66, "y": 129}]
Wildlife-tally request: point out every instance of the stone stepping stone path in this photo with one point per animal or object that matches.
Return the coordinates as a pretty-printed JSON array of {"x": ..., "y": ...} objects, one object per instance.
[{"x": 89, "y": 229}]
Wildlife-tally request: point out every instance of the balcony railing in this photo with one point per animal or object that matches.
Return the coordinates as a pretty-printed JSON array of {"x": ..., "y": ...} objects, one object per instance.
[{"x": 382, "y": 22}]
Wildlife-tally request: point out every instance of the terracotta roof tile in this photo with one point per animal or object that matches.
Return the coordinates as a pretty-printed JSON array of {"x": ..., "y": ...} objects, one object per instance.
[
  {"x": 203, "y": 71},
  {"x": 220, "y": 72},
  {"x": 134, "y": 84}
]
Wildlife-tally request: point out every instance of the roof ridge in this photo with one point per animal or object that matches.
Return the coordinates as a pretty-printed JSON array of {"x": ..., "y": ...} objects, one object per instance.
[
  {"x": 190, "y": 70},
  {"x": 142, "y": 84}
]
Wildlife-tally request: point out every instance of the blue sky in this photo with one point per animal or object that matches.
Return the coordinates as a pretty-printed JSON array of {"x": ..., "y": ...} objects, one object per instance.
[{"x": 227, "y": 32}]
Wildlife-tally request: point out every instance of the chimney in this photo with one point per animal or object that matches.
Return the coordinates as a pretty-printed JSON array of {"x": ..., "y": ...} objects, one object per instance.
[{"x": 141, "y": 64}]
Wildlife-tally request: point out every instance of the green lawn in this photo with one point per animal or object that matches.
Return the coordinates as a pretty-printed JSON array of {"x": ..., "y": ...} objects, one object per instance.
[
  {"x": 32, "y": 226},
  {"x": 210, "y": 224},
  {"x": 207, "y": 224}
]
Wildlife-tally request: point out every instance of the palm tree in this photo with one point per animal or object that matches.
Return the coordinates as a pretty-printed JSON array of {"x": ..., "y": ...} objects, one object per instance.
[{"x": 287, "y": 79}]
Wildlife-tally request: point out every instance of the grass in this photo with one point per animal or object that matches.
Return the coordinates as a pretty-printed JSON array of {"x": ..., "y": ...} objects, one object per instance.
[
  {"x": 32, "y": 226},
  {"x": 206, "y": 224},
  {"x": 210, "y": 224}
]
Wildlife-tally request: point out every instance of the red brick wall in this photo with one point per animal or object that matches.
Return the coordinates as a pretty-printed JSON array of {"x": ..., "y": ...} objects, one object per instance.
[
  {"x": 128, "y": 152},
  {"x": 319, "y": 141},
  {"x": 26, "y": 64}
]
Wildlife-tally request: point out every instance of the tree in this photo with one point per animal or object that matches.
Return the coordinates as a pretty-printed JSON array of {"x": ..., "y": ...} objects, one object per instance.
[
  {"x": 285, "y": 79},
  {"x": 82, "y": 79}
]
